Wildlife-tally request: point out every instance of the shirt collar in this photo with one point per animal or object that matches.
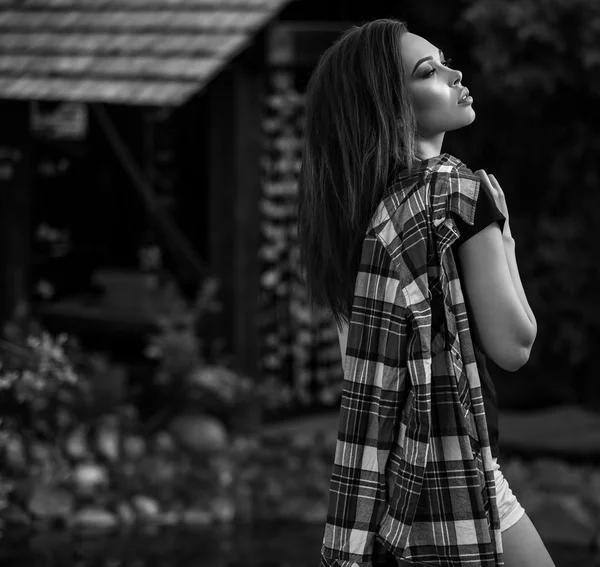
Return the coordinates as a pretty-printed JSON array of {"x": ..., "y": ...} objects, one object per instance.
[{"x": 429, "y": 163}]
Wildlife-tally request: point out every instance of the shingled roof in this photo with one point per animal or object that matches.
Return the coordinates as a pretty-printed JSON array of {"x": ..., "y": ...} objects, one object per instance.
[{"x": 151, "y": 52}]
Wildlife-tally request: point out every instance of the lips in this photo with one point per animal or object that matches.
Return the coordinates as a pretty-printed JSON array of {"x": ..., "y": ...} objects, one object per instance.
[{"x": 463, "y": 95}]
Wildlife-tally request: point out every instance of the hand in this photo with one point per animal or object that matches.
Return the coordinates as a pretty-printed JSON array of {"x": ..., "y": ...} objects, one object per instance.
[{"x": 498, "y": 194}]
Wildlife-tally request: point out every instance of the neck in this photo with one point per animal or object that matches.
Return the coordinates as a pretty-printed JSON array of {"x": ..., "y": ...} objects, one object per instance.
[{"x": 430, "y": 146}]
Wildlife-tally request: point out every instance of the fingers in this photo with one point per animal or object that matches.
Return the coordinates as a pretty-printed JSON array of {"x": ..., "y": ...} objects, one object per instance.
[
  {"x": 484, "y": 177},
  {"x": 495, "y": 183},
  {"x": 495, "y": 189},
  {"x": 491, "y": 181}
]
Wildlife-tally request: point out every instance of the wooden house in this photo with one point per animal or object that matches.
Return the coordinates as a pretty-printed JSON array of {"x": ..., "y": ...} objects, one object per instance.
[
  {"x": 177, "y": 121},
  {"x": 120, "y": 115}
]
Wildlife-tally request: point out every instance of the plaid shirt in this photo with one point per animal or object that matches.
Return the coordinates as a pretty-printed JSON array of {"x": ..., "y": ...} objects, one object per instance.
[{"x": 413, "y": 466}]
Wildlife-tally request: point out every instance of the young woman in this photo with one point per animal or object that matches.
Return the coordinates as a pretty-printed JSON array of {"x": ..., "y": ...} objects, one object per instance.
[{"x": 413, "y": 254}]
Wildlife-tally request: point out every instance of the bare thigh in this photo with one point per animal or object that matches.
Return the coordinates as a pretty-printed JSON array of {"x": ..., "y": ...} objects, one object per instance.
[{"x": 523, "y": 546}]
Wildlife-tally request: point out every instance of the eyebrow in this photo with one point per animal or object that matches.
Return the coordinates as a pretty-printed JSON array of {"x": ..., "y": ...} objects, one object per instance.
[{"x": 428, "y": 58}]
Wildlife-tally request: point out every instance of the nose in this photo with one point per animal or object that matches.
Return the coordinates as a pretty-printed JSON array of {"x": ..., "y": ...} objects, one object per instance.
[{"x": 458, "y": 77}]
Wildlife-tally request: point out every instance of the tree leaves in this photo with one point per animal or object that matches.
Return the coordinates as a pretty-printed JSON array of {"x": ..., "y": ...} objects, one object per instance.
[
  {"x": 538, "y": 89},
  {"x": 536, "y": 46}
]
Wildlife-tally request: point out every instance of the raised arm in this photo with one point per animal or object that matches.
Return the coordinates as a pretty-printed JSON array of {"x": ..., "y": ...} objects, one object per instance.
[{"x": 502, "y": 318}]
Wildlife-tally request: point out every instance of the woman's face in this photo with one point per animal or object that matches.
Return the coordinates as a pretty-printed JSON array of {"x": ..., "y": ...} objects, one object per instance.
[{"x": 436, "y": 89}]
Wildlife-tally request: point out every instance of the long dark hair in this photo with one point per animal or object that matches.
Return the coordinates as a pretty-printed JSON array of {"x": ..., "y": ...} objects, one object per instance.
[{"x": 359, "y": 133}]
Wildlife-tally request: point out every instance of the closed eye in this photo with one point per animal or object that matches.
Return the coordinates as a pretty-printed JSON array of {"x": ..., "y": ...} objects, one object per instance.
[{"x": 444, "y": 62}]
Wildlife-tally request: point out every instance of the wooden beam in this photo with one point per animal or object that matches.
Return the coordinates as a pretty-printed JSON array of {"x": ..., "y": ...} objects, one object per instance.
[
  {"x": 15, "y": 212},
  {"x": 221, "y": 196},
  {"x": 190, "y": 266},
  {"x": 235, "y": 102},
  {"x": 248, "y": 146}
]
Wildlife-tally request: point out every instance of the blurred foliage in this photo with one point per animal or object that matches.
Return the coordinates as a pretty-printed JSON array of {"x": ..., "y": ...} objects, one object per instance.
[
  {"x": 50, "y": 385},
  {"x": 537, "y": 96},
  {"x": 40, "y": 391},
  {"x": 193, "y": 369},
  {"x": 66, "y": 458},
  {"x": 537, "y": 47}
]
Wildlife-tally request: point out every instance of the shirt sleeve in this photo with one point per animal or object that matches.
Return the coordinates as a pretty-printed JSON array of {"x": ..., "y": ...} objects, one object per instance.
[
  {"x": 486, "y": 212},
  {"x": 374, "y": 383}
]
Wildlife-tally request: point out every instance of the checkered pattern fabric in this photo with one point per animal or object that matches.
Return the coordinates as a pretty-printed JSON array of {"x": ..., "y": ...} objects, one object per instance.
[{"x": 413, "y": 466}]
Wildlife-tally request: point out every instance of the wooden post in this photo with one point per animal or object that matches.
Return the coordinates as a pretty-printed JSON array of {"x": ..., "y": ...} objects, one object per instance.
[
  {"x": 248, "y": 148},
  {"x": 15, "y": 211},
  {"x": 221, "y": 196},
  {"x": 235, "y": 100}
]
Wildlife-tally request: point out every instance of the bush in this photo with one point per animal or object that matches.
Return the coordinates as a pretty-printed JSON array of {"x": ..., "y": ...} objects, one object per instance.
[
  {"x": 41, "y": 394},
  {"x": 537, "y": 86}
]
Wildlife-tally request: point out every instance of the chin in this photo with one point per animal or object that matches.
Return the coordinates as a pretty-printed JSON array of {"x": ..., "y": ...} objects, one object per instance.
[{"x": 466, "y": 121}]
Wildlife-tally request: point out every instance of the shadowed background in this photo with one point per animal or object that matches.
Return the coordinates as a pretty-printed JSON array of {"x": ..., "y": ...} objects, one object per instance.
[{"x": 149, "y": 154}]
